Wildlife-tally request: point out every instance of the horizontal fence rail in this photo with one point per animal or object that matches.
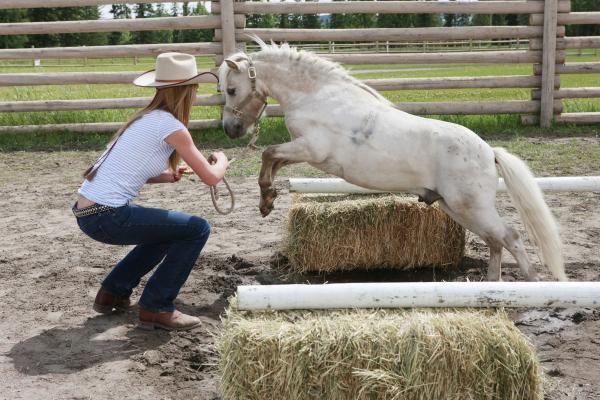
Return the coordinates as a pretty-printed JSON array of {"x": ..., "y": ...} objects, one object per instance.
[
  {"x": 458, "y": 108},
  {"x": 572, "y": 42},
  {"x": 511, "y": 56},
  {"x": 94, "y": 127},
  {"x": 395, "y": 34},
  {"x": 116, "y": 25},
  {"x": 217, "y": 99},
  {"x": 7, "y": 4},
  {"x": 573, "y": 68},
  {"x": 579, "y": 118},
  {"x": 392, "y": 7},
  {"x": 574, "y": 18},
  {"x": 460, "y": 82},
  {"x": 130, "y": 50},
  {"x": 77, "y": 78},
  {"x": 94, "y": 104},
  {"x": 572, "y": 93}
]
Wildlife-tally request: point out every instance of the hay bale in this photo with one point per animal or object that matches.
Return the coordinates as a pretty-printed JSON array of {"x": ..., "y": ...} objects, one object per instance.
[
  {"x": 333, "y": 233},
  {"x": 368, "y": 354}
]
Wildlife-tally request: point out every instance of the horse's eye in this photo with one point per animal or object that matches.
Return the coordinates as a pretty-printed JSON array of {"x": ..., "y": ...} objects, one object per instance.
[{"x": 231, "y": 92}]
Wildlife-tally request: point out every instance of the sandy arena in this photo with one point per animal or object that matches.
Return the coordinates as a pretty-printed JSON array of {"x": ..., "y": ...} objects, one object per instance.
[{"x": 54, "y": 346}]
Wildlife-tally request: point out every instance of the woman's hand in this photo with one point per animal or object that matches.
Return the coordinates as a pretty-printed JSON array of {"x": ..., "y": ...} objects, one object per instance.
[
  {"x": 180, "y": 172},
  {"x": 210, "y": 173},
  {"x": 169, "y": 176},
  {"x": 217, "y": 158}
]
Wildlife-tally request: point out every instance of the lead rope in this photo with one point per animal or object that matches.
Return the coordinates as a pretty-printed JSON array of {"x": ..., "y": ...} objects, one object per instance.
[
  {"x": 214, "y": 196},
  {"x": 214, "y": 191}
]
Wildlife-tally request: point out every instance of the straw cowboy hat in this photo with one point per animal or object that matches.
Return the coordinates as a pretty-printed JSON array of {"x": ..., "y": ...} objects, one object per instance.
[{"x": 172, "y": 69}]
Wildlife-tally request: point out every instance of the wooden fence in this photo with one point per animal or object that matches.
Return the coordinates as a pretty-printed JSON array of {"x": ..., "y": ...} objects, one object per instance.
[{"x": 545, "y": 35}]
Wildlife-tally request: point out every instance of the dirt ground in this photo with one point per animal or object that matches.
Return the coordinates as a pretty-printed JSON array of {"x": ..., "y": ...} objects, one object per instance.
[{"x": 54, "y": 346}]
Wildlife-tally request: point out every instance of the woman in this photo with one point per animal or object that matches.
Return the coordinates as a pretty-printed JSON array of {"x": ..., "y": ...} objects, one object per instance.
[{"x": 148, "y": 149}]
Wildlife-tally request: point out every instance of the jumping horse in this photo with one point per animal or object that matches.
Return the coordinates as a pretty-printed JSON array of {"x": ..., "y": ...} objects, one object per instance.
[{"x": 345, "y": 128}]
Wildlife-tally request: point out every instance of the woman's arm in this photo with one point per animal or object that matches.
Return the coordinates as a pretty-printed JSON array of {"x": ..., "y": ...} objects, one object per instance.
[
  {"x": 168, "y": 176},
  {"x": 210, "y": 174}
]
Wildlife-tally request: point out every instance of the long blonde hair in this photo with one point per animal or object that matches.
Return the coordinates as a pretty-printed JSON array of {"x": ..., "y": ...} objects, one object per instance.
[{"x": 177, "y": 100}]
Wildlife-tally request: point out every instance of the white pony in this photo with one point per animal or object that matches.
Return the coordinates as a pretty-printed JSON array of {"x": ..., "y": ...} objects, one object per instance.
[{"x": 347, "y": 129}]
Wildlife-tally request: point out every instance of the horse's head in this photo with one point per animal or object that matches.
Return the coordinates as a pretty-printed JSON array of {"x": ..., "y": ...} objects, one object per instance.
[{"x": 243, "y": 103}]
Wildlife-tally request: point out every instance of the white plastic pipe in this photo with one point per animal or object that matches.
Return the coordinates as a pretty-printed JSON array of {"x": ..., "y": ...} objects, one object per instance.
[
  {"x": 419, "y": 294},
  {"x": 338, "y": 185}
]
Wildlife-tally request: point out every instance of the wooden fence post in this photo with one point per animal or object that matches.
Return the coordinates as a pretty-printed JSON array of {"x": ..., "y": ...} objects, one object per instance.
[
  {"x": 548, "y": 62},
  {"x": 227, "y": 27}
]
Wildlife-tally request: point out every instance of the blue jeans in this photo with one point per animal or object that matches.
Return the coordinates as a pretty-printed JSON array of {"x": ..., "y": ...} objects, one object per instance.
[{"x": 171, "y": 238}]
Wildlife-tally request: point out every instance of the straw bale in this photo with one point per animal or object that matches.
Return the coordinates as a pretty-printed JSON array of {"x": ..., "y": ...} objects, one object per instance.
[
  {"x": 333, "y": 233},
  {"x": 376, "y": 355}
]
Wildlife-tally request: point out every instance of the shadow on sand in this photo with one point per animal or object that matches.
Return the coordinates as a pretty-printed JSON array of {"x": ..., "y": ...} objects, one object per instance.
[{"x": 101, "y": 339}]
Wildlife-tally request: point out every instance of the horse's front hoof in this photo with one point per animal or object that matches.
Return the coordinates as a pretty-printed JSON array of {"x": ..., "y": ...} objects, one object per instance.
[{"x": 264, "y": 210}]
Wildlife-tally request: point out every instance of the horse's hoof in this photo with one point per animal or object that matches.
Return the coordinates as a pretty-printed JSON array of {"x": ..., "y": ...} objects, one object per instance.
[{"x": 264, "y": 211}]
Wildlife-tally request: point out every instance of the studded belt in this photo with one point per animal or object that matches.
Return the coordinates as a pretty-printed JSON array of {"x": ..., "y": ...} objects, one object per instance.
[{"x": 90, "y": 210}]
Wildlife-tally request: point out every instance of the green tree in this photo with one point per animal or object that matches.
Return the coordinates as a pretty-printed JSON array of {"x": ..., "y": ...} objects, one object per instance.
[
  {"x": 499, "y": 20},
  {"x": 165, "y": 36},
  {"x": 14, "y": 15},
  {"x": 395, "y": 20},
  {"x": 203, "y": 35},
  {"x": 426, "y": 20},
  {"x": 462, "y": 20},
  {"x": 144, "y": 37},
  {"x": 584, "y": 30},
  {"x": 449, "y": 20},
  {"x": 119, "y": 11},
  {"x": 512, "y": 19},
  {"x": 482, "y": 20},
  {"x": 261, "y": 21},
  {"x": 309, "y": 21},
  {"x": 193, "y": 35},
  {"x": 177, "y": 34},
  {"x": 339, "y": 21},
  {"x": 362, "y": 20},
  {"x": 43, "y": 15},
  {"x": 66, "y": 39},
  {"x": 90, "y": 13}
]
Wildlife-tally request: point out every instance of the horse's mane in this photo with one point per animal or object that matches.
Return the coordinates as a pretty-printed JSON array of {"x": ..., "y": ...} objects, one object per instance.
[{"x": 316, "y": 67}]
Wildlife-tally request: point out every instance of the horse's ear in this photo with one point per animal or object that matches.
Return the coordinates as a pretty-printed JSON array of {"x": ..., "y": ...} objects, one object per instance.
[{"x": 233, "y": 65}]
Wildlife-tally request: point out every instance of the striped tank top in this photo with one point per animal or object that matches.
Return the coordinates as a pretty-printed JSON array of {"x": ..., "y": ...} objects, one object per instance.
[{"x": 139, "y": 154}]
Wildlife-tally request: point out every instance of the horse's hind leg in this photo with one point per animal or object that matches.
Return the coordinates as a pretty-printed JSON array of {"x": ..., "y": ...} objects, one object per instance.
[
  {"x": 513, "y": 243},
  {"x": 485, "y": 222},
  {"x": 495, "y": 263}
]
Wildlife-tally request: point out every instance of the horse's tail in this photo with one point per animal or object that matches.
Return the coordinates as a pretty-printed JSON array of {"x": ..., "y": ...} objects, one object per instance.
[{"x": 529, "y": 201}]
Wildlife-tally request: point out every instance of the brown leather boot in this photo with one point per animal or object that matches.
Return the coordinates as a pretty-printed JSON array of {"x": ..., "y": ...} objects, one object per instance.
[
  {"x": 106, "y": 301},
  {"x": 174, "y": 320}
]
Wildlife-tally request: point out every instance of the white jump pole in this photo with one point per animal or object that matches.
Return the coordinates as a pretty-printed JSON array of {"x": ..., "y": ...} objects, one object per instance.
[
  {"x": 419, "y": 294},
  {"x": 338, "y": 185}
]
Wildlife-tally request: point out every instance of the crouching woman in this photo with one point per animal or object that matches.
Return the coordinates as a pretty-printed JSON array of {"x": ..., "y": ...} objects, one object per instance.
[{"x": 148, "y": 149}]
